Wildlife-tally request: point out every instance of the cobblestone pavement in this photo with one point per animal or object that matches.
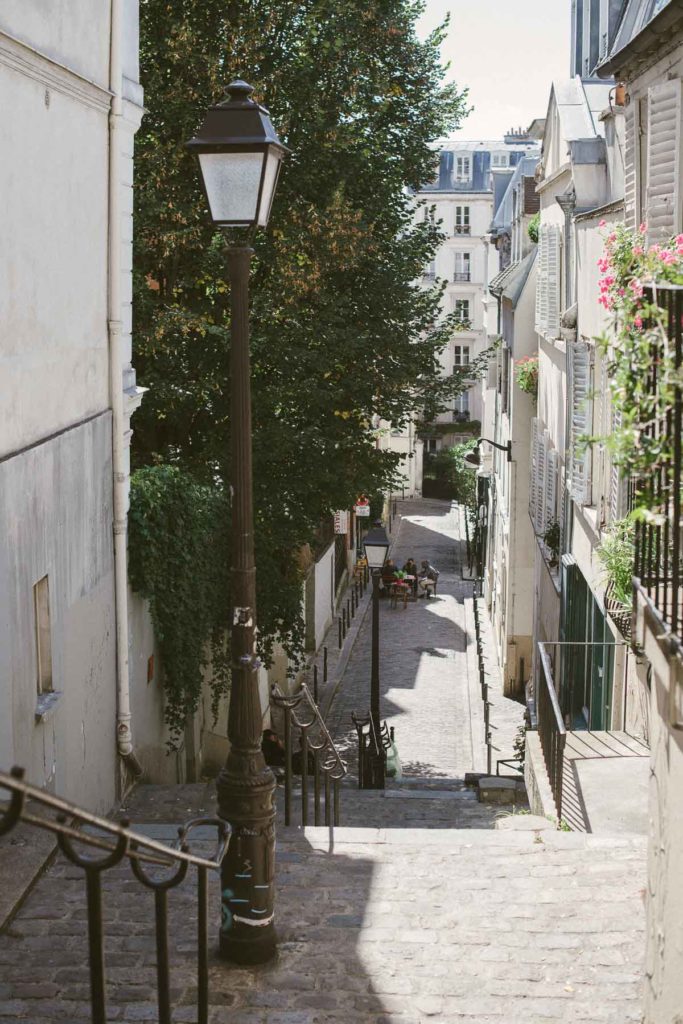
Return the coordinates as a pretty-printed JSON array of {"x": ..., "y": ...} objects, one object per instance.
[
  {"x": 392, "y": 927},
  {"x": 428, "y": 673}
]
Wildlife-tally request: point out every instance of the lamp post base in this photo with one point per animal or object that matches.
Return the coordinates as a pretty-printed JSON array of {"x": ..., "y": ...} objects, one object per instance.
[{"x": 248, "y": 949}]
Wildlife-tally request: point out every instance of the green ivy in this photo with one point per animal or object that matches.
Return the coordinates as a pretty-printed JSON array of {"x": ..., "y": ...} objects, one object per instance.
[
  {"x": 178, "y": 561},
  {"x": 533, "y": 226}
]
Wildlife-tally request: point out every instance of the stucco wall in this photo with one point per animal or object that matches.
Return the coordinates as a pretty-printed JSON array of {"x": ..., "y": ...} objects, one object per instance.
[
  {"x": 71, "y": 32},
  {"x": 53, "y": 275},
  {"x": 56, "y": 520}
]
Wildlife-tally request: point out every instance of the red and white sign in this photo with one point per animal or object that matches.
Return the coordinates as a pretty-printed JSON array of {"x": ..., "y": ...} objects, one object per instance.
[
  {"x": 341, "y": 521},
  {"x": 362, "y": 506}
]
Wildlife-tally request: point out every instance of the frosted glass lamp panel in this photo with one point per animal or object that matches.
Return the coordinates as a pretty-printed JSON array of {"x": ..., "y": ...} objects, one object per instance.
[
  {"x": 269, "y": 183},
  {"x": 232, "y": 184}
]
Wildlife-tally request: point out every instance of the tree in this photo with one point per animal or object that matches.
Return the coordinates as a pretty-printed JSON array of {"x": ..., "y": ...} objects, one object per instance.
[{"x": 340, "y": 330}]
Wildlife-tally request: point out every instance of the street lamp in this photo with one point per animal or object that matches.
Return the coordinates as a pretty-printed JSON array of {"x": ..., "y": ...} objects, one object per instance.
[
  {"x": 376, "y": 546},
  {"x": 473, "y": 459},
  {"x": 239, "y": 158}
]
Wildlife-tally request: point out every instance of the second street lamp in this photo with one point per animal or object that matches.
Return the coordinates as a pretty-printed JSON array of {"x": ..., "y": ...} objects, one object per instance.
[
  {"x": 376, "y": 545},
  {"x": 239, "y": 158}
]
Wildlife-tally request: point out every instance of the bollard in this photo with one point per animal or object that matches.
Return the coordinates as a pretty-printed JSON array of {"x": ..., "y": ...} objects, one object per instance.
[
  {"x": 344, "y": 622},
  {"x": 324, "y": 664},
  {"x": 315, "y": 683},
  {"x": 488, "y": 753},
  {"x": 348, "y": 613},
  {"x": 340, "y": 633}
]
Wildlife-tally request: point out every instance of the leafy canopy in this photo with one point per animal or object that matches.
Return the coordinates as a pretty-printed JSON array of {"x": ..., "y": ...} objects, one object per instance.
[{"x": 341, "y": 332}]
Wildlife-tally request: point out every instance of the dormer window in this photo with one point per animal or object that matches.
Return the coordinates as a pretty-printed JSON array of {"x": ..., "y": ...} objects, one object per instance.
[
  {"x": 500, "y": 160},
  {"x": 463, "y": 169}
]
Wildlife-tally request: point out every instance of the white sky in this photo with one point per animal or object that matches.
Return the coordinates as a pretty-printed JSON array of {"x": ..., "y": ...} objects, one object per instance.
[{"x": 507, "y": 52}]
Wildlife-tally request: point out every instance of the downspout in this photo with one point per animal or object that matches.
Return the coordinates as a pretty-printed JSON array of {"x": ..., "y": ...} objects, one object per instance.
[
  {"x": 567, "y": 203},
  {"x": 124, "y": 739}
]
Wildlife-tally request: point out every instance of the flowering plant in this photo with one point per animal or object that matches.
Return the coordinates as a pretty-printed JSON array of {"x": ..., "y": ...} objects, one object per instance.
[
  {"x": 526, "y": 374},
  {"x": 638, "y": 351}
]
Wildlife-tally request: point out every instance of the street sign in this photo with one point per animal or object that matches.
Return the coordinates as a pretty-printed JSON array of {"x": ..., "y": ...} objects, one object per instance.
[
  {"x": 362, "y": 506},
  {"x": 341, "y": 521}
]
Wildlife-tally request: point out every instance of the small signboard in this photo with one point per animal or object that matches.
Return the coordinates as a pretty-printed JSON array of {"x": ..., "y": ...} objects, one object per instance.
[
  {"x": 362, "y": 506},
  {"x": 341, "y": 521}
]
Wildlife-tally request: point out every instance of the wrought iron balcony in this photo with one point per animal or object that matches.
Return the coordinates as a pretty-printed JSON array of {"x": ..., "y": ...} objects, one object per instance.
[
  {"x": 461, "y": 275},
  {"x": 461, "y": 229},
  {"x": 659, "y": 539}
]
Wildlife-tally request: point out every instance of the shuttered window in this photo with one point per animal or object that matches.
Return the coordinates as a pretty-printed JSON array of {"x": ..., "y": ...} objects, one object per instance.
[
  {"x": 548, "y": 281},
  {"x": 617, "y": 482},
  {"x": 582, "y": 422},
  {"x": 552, "y": 471},
  {"x": 631, "y": 161},
  {"x": 664, "y": 160}
]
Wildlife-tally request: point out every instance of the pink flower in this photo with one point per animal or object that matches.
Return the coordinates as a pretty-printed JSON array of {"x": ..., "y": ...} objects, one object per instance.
[
  {"x": 679, "y": 239},
  {"x": 622, "y": 292},
  {"x": 653, "y": 250},
  {"x": 636, "y": 287},
  {"x": 668, "y": 257},
  {"x": 602, "y": 224},
  {"x": 638, "y": 321},
  {"x": 643, "y": 228},
  {"x": 612, "y": 237},
  {"x": 638, "y": 250}
]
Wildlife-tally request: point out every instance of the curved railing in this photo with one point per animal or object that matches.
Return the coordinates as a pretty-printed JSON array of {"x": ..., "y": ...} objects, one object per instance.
[
  {"x": 112, "y": 844},
  {"x": 316, "y": 756}
]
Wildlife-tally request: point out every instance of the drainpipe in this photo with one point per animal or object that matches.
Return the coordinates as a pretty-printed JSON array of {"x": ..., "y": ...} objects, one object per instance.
[
  {"x": 124, "y": 739},
  {"x": 567, "y": 203}
]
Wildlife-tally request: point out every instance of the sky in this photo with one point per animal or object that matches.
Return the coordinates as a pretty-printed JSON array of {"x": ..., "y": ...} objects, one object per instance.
[{"x": 508, "y": 52}]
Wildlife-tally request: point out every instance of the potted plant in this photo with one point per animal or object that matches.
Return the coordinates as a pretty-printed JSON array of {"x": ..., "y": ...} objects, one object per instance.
[
  {"x": 526, "y": 375},
  {"x": 551, "y": 538},
  {"x": 617, "y": 554}
]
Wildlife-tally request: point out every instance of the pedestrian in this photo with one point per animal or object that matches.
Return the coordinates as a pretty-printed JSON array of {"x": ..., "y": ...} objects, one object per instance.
[
  {"x": 410, "y": 569},
  {"x": 428, "y": 577}
]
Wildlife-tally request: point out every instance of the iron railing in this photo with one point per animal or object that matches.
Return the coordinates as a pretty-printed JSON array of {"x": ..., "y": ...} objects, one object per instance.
[
  {"x": 659, "y": 538},
  {"x": 551, "y": 728},
  {"x": 372, "y": 751},
  {"x": 315, "y": 755},
  {"x": 112, "y": 844},
  {"x": 461, "y": 275},
  {"x": 461, "y": 229}
]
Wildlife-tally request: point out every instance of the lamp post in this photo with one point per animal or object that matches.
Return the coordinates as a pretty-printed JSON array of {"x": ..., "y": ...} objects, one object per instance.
[
  {"x": 376, "y": 546},
  {"x": 239, "y": 158}
]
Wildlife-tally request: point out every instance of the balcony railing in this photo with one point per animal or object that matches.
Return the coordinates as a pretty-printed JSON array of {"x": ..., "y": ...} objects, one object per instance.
[
  {"x": 461, "y": 275},
  {"x": 461, "y": 229},
  {"x": 659, "y": 538},
  {"x": 551, "y": 727}
]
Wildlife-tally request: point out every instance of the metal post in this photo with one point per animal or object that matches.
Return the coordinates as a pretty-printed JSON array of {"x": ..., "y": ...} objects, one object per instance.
[
  {"x": 246, "y": 785},
  {"x": 315, "y": 683},
  {"x": 340, "y": 633},
  {"x": 324, "y": 664},
  {"x": 378, "y": 777}
]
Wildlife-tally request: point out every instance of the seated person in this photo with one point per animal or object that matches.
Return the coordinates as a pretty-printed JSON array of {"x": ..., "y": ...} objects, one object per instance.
[
  {"x": 428, "y": 576},
  {"x": 410, "y": 568},
  {"x": 388, "y": 572}
]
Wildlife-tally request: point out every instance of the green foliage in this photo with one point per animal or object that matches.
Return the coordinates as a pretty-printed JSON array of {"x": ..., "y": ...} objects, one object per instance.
[
  {"x": 617, "y": 554},
  {"x": 519, "y": 744},
  {"x": 533, "y": 226},
  {"x": 552, "y": 538},
  {"x": 452, "y": 477},
  {"x": 178, "y": 561},
  {"x": 340, "y": 331},
  {"x": 638, "y": 341},
  {"x": 526, "y": 375},
  {"x": 179, "y": 558}
]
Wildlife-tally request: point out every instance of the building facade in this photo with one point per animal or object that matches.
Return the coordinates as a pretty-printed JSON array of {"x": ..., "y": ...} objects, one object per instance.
[
  {"x": 71, "y": 105},
  {"x": 471, "y": 180}
]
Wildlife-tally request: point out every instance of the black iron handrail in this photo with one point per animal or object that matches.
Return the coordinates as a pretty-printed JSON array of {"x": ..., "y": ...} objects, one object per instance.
[
  {"x": 658, "y": 566},
  {"x": 117, "y": 842},
  {"x": 371, "y": 751},
  {"x": 301, "y": 712},
  {"x": 551, "y": 728}
]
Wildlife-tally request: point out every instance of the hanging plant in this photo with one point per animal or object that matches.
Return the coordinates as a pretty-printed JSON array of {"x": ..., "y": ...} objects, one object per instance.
[
  {"x": 638, "y": 342},
  {"x": 617, "y": 554},
  {"x": 526, "y": 375}
]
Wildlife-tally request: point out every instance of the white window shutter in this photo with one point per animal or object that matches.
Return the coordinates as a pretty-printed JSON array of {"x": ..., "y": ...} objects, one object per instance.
[
  {"x": 617, "y": 483},
  {"x": 534, "y": 469},
  {"x": 631, "y": 162},
  {"x": 581, "y": 422},
  {"x": 542, "y": 454},
  {"x": 553, "y": 259},
  {"x": 664, "y": 160},
  {"x": 542, "y": 281},
  {"x": 552, "y": 470}
]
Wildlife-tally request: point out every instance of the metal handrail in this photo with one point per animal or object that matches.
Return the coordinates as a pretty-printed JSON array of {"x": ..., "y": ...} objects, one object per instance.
[
  {"x": 119, "y": 842},
  {"x": 551, "y": 728},
  {"x": 326, "y": 757}
]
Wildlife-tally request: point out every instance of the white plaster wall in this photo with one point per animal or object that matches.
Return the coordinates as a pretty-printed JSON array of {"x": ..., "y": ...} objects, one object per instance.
[
  {"x": 324, "y": 594},
  {"x": 74, "y": 33},
  {"x": 56, "y": 520},
  {"x": 53, "y": 261}
]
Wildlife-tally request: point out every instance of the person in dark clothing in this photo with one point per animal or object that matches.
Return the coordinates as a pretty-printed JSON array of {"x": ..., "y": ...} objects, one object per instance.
[
  {"x": 427, "y": 577},
  {"x": 410, "y": 568}
]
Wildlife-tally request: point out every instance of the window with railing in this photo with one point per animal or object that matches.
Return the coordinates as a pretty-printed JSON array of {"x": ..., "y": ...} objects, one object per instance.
[
  {"x": 659, "y": 535},
  {"x": 462, "y": 267},
  {"x": 462, "y": 220}
]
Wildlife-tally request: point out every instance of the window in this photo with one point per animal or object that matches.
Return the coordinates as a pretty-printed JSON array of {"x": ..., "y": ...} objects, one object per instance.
[
  {"x": 663, "y": 175},
  {"x": 462, "y": 168},
  {"x": 462, "y": 266},
  {"x": 461, "y": 405},
  {"x": 461, "y": 308},
  {"x": 548, "y": 281},
  {"x": 500, "y": 160},
  {"x": 461, "y": 355},
  {"x": 462, "y": 220},
  {"x": 431, "y": 444},
  {"x": 430, "y": 271},
  {"x": 41, "y": 603},
  {"x": 581, "y": 389}
]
